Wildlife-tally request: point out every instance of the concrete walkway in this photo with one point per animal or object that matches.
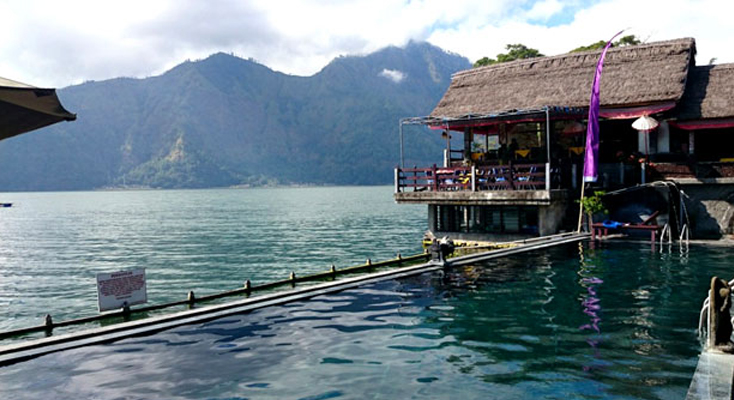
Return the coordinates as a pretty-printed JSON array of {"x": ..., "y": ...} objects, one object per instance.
[{"x": 714, "y": 377}]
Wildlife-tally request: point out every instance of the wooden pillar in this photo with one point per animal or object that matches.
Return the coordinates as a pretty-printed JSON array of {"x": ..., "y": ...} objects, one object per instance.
[{"x": 468, "y": 140}]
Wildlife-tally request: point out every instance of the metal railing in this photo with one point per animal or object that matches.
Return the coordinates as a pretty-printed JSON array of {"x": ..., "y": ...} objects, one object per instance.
[{"x": 191, "y": 299}]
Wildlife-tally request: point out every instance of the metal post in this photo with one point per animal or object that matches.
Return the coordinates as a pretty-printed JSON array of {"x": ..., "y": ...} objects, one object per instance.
[
  {"x": 621, "y": 173},
  {"x": 49, "y": 323},
  {"x": 402, "y": 157},
  {"x": 643, "y": 172},
  {"x": 548, "y": 151},
  {"x": 397, "y": 180},
  {"x": 448, "y": 146},
  {"x": 473, "y": 178},
  {"x": 547, "y": 134}
]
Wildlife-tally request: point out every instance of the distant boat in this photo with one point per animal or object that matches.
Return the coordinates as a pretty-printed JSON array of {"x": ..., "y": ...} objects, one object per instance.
[{"x": 5, "y": 205}]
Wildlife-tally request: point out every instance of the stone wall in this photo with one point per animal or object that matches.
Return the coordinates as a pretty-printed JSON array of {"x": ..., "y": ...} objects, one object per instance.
[{"x": 710, "y": 206}]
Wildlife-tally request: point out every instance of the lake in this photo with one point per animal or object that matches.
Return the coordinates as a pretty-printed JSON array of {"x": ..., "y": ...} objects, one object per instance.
[
  {"x": 52, "y": 245},
  {"x": 616, "y": 321}
]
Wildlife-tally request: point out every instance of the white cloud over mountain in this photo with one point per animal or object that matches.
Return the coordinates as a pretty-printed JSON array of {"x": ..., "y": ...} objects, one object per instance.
[{"x": 51, "y": 43}]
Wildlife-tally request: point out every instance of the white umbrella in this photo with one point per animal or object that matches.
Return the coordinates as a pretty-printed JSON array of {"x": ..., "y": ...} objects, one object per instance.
[{"x": 645, "y": 123}]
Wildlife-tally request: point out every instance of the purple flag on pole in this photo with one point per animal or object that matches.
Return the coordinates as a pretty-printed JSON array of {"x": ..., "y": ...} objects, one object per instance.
[{"x": 592, "y": 128}]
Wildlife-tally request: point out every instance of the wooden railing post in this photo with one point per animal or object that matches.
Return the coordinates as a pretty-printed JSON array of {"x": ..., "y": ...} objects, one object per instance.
[
  {"x": 435, "y": 179},
  {"x": 547, "y": 176}
]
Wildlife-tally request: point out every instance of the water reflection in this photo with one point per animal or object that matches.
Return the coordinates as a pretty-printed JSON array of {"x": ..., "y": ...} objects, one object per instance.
[{"x": 591, "y": 306}]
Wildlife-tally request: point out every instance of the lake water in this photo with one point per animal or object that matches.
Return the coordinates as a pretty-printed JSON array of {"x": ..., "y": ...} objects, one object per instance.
[
  {"x": 52, "y": 245},
  {"x": 614, "y": 322}
]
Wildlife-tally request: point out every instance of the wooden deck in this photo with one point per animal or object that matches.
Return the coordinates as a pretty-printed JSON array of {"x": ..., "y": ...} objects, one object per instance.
[{"x": 473, "y": 178}]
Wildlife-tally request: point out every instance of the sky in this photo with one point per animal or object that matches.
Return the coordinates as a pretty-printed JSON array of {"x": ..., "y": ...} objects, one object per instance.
[{"x": 52, "y": 43}]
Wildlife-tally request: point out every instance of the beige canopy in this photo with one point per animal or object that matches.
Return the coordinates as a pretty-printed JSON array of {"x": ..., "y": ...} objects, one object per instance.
[{"x": 24, "y": 108}]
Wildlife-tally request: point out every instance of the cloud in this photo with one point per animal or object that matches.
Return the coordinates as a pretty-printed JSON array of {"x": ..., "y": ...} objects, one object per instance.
[
  {"x": 393, "y": 75},
  {"x": 52, "y": 43},
  {"x": 544, "y": 10},
  {"x": 651, "y": 20}
]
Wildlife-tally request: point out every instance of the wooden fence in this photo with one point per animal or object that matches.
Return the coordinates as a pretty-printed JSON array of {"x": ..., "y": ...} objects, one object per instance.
[{"x": 474, "y": 178}]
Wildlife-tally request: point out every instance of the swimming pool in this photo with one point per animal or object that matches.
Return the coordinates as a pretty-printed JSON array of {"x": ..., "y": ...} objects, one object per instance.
[{"x": 618, "y": 321}]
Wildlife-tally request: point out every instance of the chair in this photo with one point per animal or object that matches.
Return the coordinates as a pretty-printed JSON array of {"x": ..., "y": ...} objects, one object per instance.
[
  {"x": 602, "y": 229},
  {"x": 498, "y": 175},
  {"x": 528, "y": 178}
]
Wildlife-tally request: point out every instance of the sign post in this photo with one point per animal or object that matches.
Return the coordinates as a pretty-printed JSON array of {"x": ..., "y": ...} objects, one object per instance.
[{"x": 119, "y": 289}]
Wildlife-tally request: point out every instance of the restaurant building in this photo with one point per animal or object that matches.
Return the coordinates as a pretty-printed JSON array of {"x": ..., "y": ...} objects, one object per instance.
[{"x": 515, "y": 133}]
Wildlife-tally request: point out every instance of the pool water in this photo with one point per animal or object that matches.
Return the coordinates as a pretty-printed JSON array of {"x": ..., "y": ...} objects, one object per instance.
[{"x": 615, "y": 322}]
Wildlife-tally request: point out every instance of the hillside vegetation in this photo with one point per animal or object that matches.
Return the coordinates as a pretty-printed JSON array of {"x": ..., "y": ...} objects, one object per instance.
[{"x": 226, "y": 121}]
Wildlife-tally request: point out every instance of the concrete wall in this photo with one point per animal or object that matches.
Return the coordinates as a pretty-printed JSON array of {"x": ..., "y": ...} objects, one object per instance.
[
  {"x": 551, "y": 217},
  {"x": 432, "y": 223},
  {"x": 481, "y": 198}
]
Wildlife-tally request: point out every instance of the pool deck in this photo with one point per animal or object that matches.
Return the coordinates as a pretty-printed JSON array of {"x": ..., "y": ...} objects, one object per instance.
[{"x": 714, "y": 377}]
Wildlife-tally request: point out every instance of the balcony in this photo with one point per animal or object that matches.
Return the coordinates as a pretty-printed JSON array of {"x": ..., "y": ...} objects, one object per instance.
[{"x": 519, "y": 184}]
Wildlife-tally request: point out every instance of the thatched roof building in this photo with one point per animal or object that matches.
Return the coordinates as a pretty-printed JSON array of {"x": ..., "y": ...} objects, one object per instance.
[
  {"x": 651, "y": 75},
  {"x": 709, "y": 93}
]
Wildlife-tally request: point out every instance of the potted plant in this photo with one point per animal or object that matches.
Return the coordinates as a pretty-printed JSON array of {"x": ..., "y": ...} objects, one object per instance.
[{"x": 593, "y": 205}]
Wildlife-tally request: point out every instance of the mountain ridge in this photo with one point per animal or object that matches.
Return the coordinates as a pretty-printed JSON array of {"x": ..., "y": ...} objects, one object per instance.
[{"x": 229, "y": 121}]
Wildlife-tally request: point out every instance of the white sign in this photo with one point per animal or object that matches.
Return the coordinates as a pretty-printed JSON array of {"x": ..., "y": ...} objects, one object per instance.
[{"x": 117, "y": 288}]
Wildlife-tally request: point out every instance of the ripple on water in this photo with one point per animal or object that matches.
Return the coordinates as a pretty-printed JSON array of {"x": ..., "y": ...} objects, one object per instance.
[{"x": 516, "y": 328}]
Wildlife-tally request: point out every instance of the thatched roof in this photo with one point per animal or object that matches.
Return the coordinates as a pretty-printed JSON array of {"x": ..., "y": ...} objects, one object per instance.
[
  {"x": 709, "y": 93},
  {"x": 634, "y": 75}
]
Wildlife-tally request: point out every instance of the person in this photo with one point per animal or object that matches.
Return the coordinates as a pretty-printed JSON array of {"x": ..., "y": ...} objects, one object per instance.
[
  {"x": 513, "y": 147},
  {"x": 503, "y": 154}
]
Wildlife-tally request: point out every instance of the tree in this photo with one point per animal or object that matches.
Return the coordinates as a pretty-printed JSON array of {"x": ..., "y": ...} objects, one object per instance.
[
  {"x": 628, "y": 40},
  {"x": 593, "y": 205},
  {"x": 515, "y": 52}
]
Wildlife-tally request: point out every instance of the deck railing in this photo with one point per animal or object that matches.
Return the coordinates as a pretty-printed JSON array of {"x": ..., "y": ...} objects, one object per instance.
[{"x": 474, "y": 178}]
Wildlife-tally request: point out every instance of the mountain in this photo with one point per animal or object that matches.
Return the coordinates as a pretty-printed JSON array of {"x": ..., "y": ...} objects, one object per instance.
[{"x": 226, "y": 121}]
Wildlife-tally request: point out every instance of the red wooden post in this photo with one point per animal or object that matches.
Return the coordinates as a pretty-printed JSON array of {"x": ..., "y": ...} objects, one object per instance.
[{"x": 652, "y": 239}]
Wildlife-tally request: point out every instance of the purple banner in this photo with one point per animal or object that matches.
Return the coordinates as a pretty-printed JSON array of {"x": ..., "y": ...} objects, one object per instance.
[{"x": 592, "y": 128}]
